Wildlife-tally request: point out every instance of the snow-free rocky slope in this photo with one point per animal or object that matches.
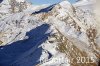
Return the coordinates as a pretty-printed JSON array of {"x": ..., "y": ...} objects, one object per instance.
[{"x": 62, "y": 34}]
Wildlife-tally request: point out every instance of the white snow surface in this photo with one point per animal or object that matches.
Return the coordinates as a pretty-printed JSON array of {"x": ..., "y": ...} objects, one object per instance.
[{"x": 26, "y": 38}]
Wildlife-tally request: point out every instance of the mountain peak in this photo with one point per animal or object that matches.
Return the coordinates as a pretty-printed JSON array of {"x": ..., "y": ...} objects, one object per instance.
[
  {"x": 64, "y": 3},
  {"x": 48, "y": 35},
  {"x": 20, "y": 0}
]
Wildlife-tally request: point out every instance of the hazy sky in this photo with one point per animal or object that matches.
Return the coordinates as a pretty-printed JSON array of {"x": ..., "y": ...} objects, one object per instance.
[{"x": 39, "y": 2}]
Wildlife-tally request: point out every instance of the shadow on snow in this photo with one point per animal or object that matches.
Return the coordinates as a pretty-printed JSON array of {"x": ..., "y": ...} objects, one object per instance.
[
  {"x": 46, "y": 10},
  {"x": 25, "y": 52},
  {"x": 1, "y": 1}
]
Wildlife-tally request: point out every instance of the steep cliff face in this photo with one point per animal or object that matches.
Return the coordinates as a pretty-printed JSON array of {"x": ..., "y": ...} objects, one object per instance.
[{"x": 62, "y": 34}]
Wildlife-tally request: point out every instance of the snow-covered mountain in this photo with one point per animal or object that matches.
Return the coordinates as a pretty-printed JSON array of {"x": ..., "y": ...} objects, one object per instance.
[{"x": 61, "y": 34}]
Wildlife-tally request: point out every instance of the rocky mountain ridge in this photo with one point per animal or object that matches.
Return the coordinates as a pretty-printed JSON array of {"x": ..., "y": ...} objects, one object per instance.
[{"x": 58, "y": 35}]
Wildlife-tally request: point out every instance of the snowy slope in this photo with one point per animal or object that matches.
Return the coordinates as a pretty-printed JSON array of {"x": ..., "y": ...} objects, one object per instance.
[{"x": 55, "y": 35}]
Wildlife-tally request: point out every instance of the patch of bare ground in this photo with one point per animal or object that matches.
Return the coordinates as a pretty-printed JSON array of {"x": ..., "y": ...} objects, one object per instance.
[{"x": 77, "y": 57}]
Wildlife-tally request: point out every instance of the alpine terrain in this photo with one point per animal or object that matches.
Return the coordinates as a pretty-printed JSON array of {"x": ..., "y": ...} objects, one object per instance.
[{"x": 62, "y": 34}]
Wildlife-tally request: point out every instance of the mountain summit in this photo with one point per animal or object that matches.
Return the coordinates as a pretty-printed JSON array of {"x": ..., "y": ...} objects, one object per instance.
[{"x": 61, "y": 34}]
